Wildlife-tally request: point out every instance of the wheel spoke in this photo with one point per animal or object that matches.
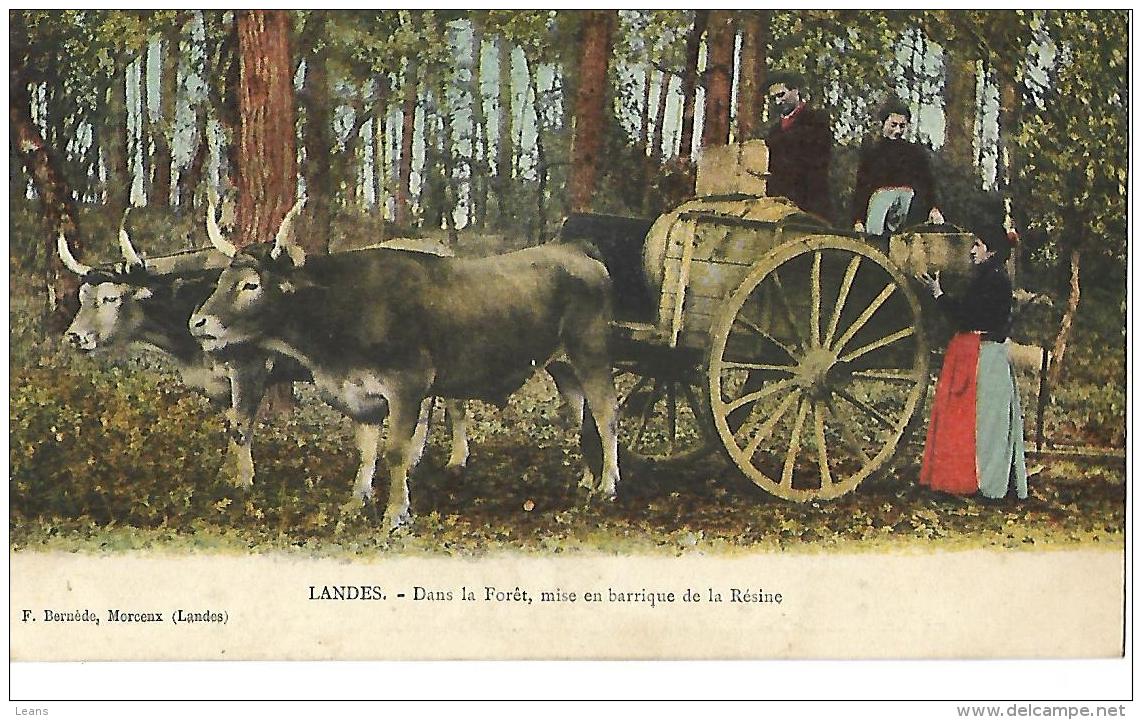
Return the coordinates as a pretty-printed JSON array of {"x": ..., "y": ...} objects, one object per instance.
[
  {"x": 672, "y": 414},
  {"x": 794, "y": 444},
  {"x": 867, "y": 409},
  {"x": 787, "y": 308},
  {"x": 864, "y": 316},
  {"x": 759, "y": 395},
  {"x": 888, "y": 340},
  {"x": 766, "y": 428},
  {"x": 848, "y": 435},
  {"x": 842, "y": 297},
  {"x": 749, "y": 325},
  {"x": 759, "y": 366},
  {"x": 646, "y": 411},
  {"x": 815, "y": 307},
  {"x": 822, "y": 450},
  {"x": 890, "y": 375}
]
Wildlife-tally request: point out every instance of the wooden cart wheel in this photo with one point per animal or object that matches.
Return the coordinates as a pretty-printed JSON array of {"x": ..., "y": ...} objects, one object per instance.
[
  {"x": 817, "y": 362},
  {"x": 663, "y": 415}
]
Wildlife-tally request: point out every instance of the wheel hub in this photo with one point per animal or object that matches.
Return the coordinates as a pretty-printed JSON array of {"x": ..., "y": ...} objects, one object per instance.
[{"x": 813, "y": 370}]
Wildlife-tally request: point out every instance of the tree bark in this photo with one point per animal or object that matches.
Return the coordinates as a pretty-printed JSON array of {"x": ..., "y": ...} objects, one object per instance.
[
  {"x": 479, "y": 161},
  {"x": 595, "y": 42},
  {"x": 644, "y": 111},
  {"x": 408, "y": 128},
  {"x": 659, "y": 120},
  {"x": 267, "y": 157},
  {"x": 752, "y": 73},
  {"x": 447, "y": 156},
  {"x": 380, "y": 151},
  {"x": 118, "y": 169},
  {"x": 690, "y": 82},
  {"x": 1059, "y": 351},
  {"x": 317, "y": 131},
  {"x": 505, "y": 150},
  {"x": 719, "y": 78},
  {"x": 56, "y": 205},
  {"x": 959, "y": 111},
  {"x": 143, "y": 143},
  {"x": 164, "y": 130}
]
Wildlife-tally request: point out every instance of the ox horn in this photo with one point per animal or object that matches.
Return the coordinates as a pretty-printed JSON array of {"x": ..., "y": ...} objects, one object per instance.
[
  {"x": 68, "y": 259},
  {"x": 283, "y": 240},
  {"x": 129, "y": 254},
  {"x": 223, "y": 245}
]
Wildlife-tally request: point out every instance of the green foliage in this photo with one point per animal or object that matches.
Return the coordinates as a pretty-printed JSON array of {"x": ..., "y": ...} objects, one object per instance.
[{"x": 1076, "y": 140}]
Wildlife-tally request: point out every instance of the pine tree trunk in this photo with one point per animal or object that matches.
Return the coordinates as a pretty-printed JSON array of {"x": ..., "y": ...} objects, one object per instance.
[
  {"x": 118, "y": 169},
  {"x": 189, "y": 179},
  {"x": 644, "y": 111},
  {"x": 56, "y": 205},
  {"x": 719, "y": 78},
  {"x": 660, "y": 120},
  {"x": 317, "y": 131},
  {"x": 408, "y": 128},
  {"x": 143, "y": 143},
  {"x": 1059, "y": 351},
  {"x": 959, "y": 112},
  {"x": 380, "y": 154},
  {"x": 479, "y": 165},
  {"x": 752, "y": 73},
  {"x": 267, "y": 158},
  {"x": 447, "y": 157},
  {"x": 505, "y": 150},
  {"x": 164, "y": 129},
  {"x": 589, "y": 130},
  {"x": 690, "y": 82}
]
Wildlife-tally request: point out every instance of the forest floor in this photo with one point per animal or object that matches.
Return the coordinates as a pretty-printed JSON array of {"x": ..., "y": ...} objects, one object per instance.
[{"x": 126, "y": 458}]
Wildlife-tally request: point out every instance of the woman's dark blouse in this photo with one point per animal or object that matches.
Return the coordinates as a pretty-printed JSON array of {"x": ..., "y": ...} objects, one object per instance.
[{"x": 985, "y": 304}]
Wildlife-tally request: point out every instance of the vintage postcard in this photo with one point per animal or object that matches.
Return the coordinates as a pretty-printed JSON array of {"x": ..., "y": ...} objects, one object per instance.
[{"x": 568, "y": 335}]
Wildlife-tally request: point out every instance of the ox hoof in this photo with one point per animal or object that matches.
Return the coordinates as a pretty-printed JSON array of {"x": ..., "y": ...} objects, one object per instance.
[
  {"x": 394, "y": 521},
  {"x": 230, "y": 474},
  {"x": 354, "y": 506},
  {"x": 454, "y": 470}
]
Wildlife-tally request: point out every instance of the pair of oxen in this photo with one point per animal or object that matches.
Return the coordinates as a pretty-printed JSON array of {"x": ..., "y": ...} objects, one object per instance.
[{"x": 379, "y": 331}]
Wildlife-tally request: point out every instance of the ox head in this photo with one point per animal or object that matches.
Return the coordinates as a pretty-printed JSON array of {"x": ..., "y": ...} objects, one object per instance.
[
  {"x": 110, "y": 297},
  {"x": 250, "y": 290}
]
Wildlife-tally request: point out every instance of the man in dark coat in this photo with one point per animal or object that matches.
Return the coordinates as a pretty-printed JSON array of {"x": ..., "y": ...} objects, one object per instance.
[
  {"x": 800, "y": 148},
  {"x": 894, "y": 186}
]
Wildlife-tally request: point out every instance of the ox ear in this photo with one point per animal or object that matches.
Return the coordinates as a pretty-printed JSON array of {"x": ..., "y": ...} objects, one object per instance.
[{"x": 142, "y": 293}]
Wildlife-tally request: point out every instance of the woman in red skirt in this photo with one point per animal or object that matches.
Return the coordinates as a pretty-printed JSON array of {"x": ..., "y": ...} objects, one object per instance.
[{"x": 975, "y": 437}]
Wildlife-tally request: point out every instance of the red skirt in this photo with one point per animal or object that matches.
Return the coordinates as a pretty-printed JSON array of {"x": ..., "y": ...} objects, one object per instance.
[{"x": 949, "y": 463}]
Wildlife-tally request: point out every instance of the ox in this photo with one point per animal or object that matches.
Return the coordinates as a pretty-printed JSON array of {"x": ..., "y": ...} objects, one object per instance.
[
  {"x": 385, "y": 329},
  {"x": 127, "y": 303}
]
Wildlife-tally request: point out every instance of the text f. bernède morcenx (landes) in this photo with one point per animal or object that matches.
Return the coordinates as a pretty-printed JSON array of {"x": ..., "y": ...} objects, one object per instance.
[{"x": 499, "y": 594}]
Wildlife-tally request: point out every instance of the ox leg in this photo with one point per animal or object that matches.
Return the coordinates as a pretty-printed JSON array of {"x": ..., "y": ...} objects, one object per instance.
[
  {"x": 367, "y": 437},
  {"x": 456, "y": 411},
  {"x": 602, "y": 407},
  {"x": 574, "y": 406},
  {"x": 420, "y": 434},
  {"x": 247, "y": 386},
  {"x": 403, "y": 415}
]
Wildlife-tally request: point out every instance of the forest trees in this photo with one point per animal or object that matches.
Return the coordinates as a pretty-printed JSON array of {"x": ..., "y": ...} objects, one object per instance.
[{"x": 470, "y": 121}]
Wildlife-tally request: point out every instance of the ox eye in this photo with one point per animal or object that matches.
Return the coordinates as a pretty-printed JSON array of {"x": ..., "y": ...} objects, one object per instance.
[
  {"x": 111, "y": 300},
  {"x": 250, "y": 286}
]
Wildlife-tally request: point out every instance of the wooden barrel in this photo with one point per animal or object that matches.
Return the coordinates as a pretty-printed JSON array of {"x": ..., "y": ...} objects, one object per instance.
[{"x": 697, "y": 254}]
